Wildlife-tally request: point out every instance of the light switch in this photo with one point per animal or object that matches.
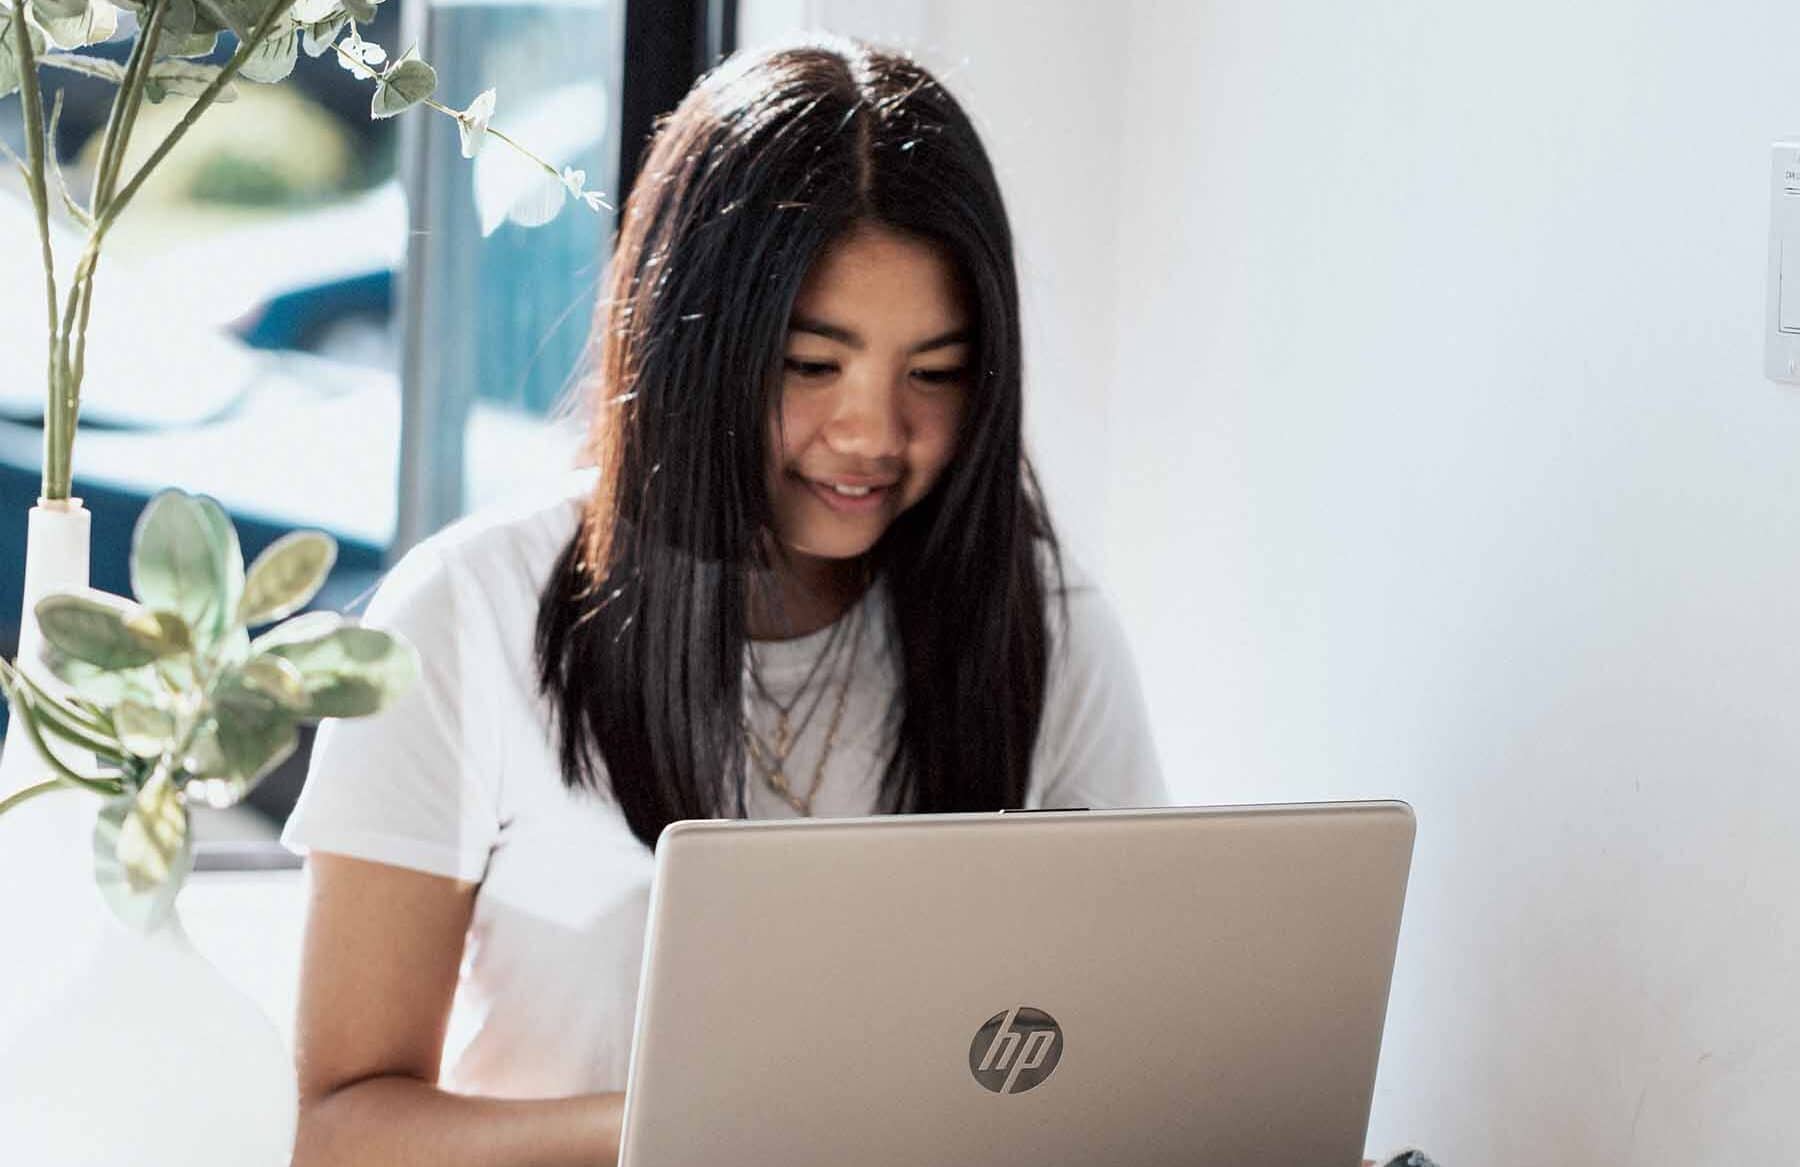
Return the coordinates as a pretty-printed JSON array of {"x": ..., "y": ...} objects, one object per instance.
[
  {"x": 1781, "y": 346},
  {"x": 1787, "y": 293}
]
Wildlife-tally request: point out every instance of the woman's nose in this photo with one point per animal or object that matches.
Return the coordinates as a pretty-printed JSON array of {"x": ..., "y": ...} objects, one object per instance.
[{"x": 865, "y": 419}]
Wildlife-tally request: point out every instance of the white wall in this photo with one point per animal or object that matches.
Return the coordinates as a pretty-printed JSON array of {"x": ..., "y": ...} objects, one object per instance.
[
  {"x": 1043, "y": 83},
  {"x": 1442, "y": 467},
  {"x": 1425, "y": 341}
]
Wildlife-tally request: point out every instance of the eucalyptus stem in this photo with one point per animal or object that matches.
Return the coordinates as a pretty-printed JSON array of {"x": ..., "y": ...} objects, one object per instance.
[
  {"x": 59, "y": 430},
  {"x": 31, "y": 102},
  {"x": 361, "y": 69},
  {"x": 84, "y": 273},
  {"x": 429, "y": 103},
  {"x": 86, "y": 295},
  {"x": 110, "y": 148},
  {"x": 134, "y": 104},
  {"x": 126, "y": 103},
  {"x": 30, "y": 792}
]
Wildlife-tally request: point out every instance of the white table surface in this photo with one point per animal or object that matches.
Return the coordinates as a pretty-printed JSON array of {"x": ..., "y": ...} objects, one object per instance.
[{"x": 248, "y": 925}]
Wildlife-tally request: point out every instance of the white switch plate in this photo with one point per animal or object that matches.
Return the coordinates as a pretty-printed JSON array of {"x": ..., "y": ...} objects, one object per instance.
[{"x": 1781, "y": 349}]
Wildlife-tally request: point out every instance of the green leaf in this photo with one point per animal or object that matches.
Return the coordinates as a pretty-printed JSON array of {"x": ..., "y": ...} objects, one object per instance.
[
  {"x": 273, "y": 58},
  {"x": 318, "y": 37},
  {"x": 143, "y": 850},
  {"x": 170, "y": 631},
  {"x": 194, "y": 44},
  {"x": 234, "y": 649},
  {"x": 144, "y": 730},
  {"x": 317, "y": 11},
  {"x": 361, "y": 11},
  {"x": 276, "y": 677},
  {"x": 255, "y": 732},
  {"x": 100, "y": 688},
  {"x": 189, "y": 78},
  {"x": 310, "y": 626},
  {"x": 181, "y": 19},
  {"x": 408, "y": 82},
  {"x": 286, "y": 576},
  {"x": 240, "y": 16},
  {"x": 351, "y": 671},
  {"x": 174, "y": 562},
  {"x": 9, "y": 53},
  {"x": 71, "y": 24},
  {"x": 48, "y": 10},
  {"x": 185, "y": 559},
  {"x": 89, "y": 66},
  {"x": 204, "y": 760},
  {"x": 107, "y": 631},
  {"x": 231, "y": 561}
]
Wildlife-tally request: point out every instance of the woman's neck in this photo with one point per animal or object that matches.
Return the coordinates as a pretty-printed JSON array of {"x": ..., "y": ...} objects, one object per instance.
[{"x": 800, "y": 594}]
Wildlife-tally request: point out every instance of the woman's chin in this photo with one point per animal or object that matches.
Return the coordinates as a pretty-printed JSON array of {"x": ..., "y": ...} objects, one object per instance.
[
  {"x": 835, "y": 540},
  {"x": 838, "y": 549}
]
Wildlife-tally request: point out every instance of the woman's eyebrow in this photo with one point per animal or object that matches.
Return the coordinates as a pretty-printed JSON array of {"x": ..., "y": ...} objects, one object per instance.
[
  {"x": 944, "y": 340},
  {"x": 835, "y": 332},
  {"x": 850, "y": 337}
]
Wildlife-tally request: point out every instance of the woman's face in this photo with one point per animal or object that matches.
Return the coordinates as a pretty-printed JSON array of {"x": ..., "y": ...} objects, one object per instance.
[{"x": 873, "y": 389}]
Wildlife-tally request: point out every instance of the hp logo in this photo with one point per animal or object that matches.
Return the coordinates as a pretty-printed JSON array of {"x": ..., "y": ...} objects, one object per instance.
[{"x": 1016, "y": 1050}]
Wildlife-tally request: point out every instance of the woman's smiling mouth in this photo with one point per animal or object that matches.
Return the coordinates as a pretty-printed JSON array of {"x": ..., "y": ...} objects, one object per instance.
[{"x": 849, "y": 495}]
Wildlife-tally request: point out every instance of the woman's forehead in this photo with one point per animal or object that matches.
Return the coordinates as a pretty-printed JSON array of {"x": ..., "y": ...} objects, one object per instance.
[{"x": 882, "y": 286}]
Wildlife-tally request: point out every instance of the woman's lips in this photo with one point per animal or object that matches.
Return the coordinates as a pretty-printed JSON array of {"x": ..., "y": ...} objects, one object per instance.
[{"x": 851, "y": 504}]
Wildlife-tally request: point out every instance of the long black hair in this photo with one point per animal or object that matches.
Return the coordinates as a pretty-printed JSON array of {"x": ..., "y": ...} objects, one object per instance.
[{"x": 641, "y": 627}]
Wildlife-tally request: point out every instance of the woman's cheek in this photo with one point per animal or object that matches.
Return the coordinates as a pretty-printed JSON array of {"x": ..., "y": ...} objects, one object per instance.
[{"x": 934, "y": 450}]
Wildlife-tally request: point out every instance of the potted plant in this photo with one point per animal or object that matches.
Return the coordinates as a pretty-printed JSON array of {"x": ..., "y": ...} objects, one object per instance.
[
  {"x": 150, "y": 703},
  {"x": 174, "y": 699},
  {"x": 167, "y": 699}
]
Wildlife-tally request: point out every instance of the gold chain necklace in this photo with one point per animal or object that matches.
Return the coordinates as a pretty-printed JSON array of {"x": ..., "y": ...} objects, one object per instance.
[
  {"x": 772, "y": 764},
  {"x": 785, "y": 732}
]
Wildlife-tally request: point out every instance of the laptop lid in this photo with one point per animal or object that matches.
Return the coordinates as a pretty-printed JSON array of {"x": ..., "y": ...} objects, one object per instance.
[{"x": 1135, "y": 988}]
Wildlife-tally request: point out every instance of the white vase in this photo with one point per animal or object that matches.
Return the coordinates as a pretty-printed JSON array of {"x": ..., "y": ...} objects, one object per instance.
[
  {"x": 115, "y": 1047},
  {"x": 51, "y": 914},
  {"x": 149, "y": 1058}
]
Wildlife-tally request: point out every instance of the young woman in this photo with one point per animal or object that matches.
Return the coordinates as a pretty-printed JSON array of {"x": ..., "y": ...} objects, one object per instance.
[{"x": 808, "y": 573}]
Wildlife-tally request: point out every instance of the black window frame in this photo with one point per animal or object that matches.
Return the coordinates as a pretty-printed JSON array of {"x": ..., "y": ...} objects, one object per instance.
[{"x": 669, "y": 44}]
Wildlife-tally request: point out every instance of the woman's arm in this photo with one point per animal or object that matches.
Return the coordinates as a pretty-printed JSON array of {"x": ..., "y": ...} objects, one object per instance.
[{"x": 379, "y": 967}]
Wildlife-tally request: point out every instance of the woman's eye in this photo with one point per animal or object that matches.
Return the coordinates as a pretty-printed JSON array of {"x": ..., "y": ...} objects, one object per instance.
[
  {"x": 805, "y": 368},
  {"x": 952, "y": 376}
]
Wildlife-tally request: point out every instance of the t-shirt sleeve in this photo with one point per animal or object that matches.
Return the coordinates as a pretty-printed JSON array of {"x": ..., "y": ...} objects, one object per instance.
[
  {"x": 413, "y": 785},
  {"x": 1094, "y": 746}
]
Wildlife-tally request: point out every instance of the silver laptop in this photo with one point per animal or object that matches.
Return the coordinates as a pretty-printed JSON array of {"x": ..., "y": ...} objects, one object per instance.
[{"x": 1128, "y": 988}]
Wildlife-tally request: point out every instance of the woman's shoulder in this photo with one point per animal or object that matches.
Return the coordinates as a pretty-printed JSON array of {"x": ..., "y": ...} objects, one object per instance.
[
  {"x": 1076, "y": 604},
  {"x": 1095, "y": 747}
]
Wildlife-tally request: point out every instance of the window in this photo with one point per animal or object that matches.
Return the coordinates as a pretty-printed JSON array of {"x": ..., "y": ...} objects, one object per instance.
[{"x": 332, "y": 369}]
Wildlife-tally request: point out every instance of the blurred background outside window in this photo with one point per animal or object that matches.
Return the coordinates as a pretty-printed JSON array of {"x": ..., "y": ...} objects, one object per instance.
[{"x": 341, "y": 364}]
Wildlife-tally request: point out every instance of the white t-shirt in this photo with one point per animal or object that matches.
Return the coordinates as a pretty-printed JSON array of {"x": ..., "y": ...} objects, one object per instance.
[{"x": 460, "y": 778}]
